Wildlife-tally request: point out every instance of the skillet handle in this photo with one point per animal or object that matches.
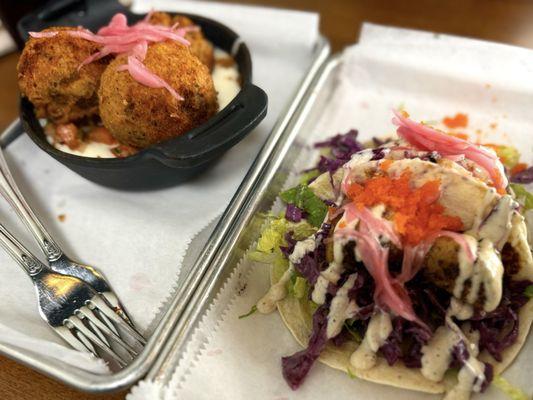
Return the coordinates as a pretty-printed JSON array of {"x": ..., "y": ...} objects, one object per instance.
[{"x": 224, "y": 130}]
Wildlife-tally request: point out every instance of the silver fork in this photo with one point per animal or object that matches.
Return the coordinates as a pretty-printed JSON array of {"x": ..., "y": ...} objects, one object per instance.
[
  {"x": 70, "y": 306},
  {"x": 57, "y": 259}
]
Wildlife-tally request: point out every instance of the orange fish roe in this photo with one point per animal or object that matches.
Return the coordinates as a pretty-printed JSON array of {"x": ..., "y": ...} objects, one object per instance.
[
  {"x": 518, "y": 168},
  {"x": 459, "y": 121},
  {"x": 416, "y": 211},
  {"x": 385, "y": 165}
]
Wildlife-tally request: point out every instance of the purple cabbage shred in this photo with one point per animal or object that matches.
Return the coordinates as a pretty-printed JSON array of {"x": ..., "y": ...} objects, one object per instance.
[
  {"x": 503, "y": 319},
  {"x": 293, "y": 213},
  {"x": 343, "y": 146},
  {"x": 296, "y": 367},
  {"x": 308, "y": 268},
  {"x": 291, "y": 242},
  {"x": 525, "y": 176}
]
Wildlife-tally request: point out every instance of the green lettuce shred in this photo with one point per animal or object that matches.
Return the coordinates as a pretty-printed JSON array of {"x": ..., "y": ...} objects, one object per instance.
[
  {"x": 252, "y": 311},
  {"x": 272, "y": 236},
  {"x": 512, "y": 392},
  {"x": 524, "y": 197},
  {"x": 529, "y": 291},
  {"x": 509, "y": 155},
  {"x": 299, "y": 288},
  {"x": 350, "y": 373},
  {"x": 353, "y": 332},
  {"x": 306, "y": 177},
  {"x": 303, "y": 197}
]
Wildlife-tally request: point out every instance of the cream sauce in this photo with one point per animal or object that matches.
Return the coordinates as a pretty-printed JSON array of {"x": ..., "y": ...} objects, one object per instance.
[
  {"x": 472, "y": 374},
  {"x": 87, "y": 149},
  {"x": 460, "y": 310},
  {"x": 497, "y": 226},
  {"x": 277, "y": 292},
  {"x": 437, "y": 354},
  {"x": 488, "y": 200},
  {"x": 378, "y": 330},
  {"x": 225, "y": 79},
  {"x": 331, "y": 274},
  {"x": 302, "y": 248},
  {"x": 488, "y": 272},
  {"x": 341, "y": 309},
  {"x": 466, "y": 267}
]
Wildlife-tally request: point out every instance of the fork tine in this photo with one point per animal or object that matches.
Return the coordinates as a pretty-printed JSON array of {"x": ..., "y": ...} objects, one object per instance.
[
  {"x": 99, "y": 303},
  {"x": 74, "y": 341},
  {"x": 91, "y": 316},
  {"x": 94, "y": 328},
  {"x": 96, "y": 341},
  {"x": 114, "y": 303}
]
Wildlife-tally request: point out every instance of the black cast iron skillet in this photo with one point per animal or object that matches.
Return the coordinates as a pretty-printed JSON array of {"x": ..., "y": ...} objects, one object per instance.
[{"x": 169, "y": 162}]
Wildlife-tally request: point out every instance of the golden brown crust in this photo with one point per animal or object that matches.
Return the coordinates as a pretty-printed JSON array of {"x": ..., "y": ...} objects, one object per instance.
[
  {"x": 48, "y": 76},
  {"x": 200, "y": 46},
  {"x": 140, "y": 116}
]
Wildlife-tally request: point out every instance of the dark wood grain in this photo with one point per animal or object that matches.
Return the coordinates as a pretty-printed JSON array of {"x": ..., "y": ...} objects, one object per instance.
[{"x": 507, "y": 21}]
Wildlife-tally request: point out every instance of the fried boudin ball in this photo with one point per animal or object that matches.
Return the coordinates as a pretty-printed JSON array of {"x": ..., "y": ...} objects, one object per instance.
[
  {"x": 139, "y": 115},
  {"x": 200, "y": 46},
  {"x": 49, "y": 76}
]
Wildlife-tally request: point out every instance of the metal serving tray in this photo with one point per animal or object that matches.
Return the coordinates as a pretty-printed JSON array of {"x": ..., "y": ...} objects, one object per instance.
[
  {"x": 239, "y": 227},
  {"x": 192, "y": 294}
]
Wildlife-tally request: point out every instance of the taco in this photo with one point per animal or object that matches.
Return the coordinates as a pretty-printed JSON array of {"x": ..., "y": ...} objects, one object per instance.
[{"x": 418, "y": 273}]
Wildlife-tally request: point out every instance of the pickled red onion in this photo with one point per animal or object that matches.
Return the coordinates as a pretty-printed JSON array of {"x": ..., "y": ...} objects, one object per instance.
[
  {"x": 118, "y": 38},
  {"x": 38, "y": 35},
  {"x": 144, "y": 76},
  {"x": 378, "y": 226},
  {"x": 424, "y": 137},
  {"x": 389, "y": 293}
]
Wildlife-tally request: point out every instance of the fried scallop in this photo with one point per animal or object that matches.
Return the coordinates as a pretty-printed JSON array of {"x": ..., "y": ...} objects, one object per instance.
[
  {"x": 200, "y": 46},
  {"x": 50, "y": 77},
  {"x": 138, "y": 115}
]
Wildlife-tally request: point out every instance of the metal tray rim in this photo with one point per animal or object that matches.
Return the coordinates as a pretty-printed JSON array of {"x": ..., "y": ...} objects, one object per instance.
[
  {"x": 240, "y": 211},
  {"x": 165, "y": 333}
]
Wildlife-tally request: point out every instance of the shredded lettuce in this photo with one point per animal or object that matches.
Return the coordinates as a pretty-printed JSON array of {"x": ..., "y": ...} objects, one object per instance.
[
  {"x": 272, "y": 236},
  {"x": 529, "y": 291},
  {"x": 509, "y": 155},
  {"x": 512, "y": 392},
  {"x": 299, "y": 287},
  {"x": 353, "y": 332},
  {"x": 306, "y": 177},
  {"x": 303, "y": 197},
  {"x": 252, "y": 311},
  {"x": 350, "y": 373},
  {"x": 524, "y": 197}
]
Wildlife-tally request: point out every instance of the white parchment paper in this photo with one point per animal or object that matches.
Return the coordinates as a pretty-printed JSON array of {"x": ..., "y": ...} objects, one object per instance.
[
  {"x": 138, "y": 239},
  {"x": 431, "y": 76}
]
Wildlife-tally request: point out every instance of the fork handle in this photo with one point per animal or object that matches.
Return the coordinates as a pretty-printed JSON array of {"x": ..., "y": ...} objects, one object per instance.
[
  {"x": 29, "y": 263},
  {"x": 12, "y": 194}
]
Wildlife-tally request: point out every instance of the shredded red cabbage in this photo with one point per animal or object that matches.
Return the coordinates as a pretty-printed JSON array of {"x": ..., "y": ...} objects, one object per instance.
[
  {"x": 343, "y": 146},
  {"x": 503, "y": 319},
  {"x": 525, "y": 176},
  {"x": 308, "y": 268},
  {"x": 296, "y": 367},
  {"x": 293, "y": 213},
  {"x": 489, "y": 376}
]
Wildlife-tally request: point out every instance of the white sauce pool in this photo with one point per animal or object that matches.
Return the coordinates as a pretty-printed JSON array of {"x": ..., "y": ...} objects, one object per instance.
[{"x": 226, "y": 79}]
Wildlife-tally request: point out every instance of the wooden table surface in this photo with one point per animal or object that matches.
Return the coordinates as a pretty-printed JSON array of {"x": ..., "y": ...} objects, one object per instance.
[{"x": 507, "y": 21}]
